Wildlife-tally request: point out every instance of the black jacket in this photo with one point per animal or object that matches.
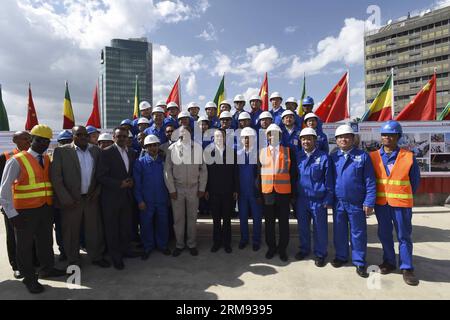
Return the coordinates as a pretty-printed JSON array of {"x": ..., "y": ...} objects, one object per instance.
[{"x": 223, "y": 178}]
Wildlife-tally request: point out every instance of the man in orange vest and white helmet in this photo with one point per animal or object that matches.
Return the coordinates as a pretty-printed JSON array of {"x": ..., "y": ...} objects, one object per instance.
[
  {"x": 26, "y": 196},
  {"x": 278, "y": 176},
  {"x": 397, "y": 176}
]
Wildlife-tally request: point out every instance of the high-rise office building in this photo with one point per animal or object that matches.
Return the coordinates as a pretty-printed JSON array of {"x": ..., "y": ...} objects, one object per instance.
[
  {"x": 414, "y": 47},
  {"x": 119, "y": 65}
]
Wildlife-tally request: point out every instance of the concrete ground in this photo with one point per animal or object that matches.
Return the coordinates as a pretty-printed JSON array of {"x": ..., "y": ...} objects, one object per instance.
[{"x": 245, "y": 274}]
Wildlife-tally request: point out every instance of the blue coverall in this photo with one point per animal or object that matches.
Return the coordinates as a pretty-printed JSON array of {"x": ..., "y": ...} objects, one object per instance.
[
  {"x": 277, "y": 116},
  {"x": 160, "y": 133}
]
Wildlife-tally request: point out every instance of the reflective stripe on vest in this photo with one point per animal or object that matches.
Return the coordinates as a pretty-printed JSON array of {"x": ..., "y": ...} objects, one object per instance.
[
  {"x": 395, "y": 189},
  {"x": 33, "y": 188},
  {"x": 275, "y": 176}
]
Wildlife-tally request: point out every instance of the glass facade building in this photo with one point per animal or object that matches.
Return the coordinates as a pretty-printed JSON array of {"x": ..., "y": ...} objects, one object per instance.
[{"x": 120, "y": 63}]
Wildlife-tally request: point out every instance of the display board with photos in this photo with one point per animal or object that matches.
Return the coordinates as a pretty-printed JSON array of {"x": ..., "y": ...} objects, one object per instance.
[{"x": 429, "y": 140}]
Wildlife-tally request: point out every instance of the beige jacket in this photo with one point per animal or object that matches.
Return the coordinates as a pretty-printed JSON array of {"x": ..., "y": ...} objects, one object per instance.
[{"x": 185, "y": 168}]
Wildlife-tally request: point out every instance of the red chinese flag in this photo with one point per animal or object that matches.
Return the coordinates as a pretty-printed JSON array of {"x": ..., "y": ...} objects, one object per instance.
[
  {"x": 264, "y": 94},
  {"x": 335, "y": 106},
  {"x": 175, "y": 94},
  {"x": 423, "y": 106},
  {"x": 32, "y": 119},
  {"x": 94, "y": 119}
]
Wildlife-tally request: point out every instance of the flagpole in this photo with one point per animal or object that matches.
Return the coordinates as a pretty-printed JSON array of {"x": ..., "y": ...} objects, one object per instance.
[
  {"x": 348, "y": 93},
  {"x": 179, "y": 91},
  {"x": 393, "y": 95}
]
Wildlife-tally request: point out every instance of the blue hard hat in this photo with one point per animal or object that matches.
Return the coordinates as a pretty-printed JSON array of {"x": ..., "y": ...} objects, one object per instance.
[
  {"x": 127, "y": 122},
  {"x": 308, "y": 101},
  {"x": 391, "y": 127},
  {"x": 91, "y": 129},
  {"x": 65, "y": 135}
]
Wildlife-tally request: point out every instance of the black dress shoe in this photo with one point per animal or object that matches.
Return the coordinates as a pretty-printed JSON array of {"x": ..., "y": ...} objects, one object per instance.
[
  {"x": 166, "y": 252},
  {"x": 338, "y": 263},
  {"x": 300, "y": 256},
  {"x": 320, "y": 262},
  {"x": 409, "y": 278},
  {"x": 176, "y": 252},
  {"x": 256, "y": 247},
  {"x": 242, "y": 245},
  {"x": 102, "y": 263},
  {"x": 270, "y": 254},
  {"x": 118, "y": 264},
  {"x": 193, "y": 251},
  {"x": 283, "y": 256},
  {"x": 362, "y": 272},
  {"x": 215, "y": 248},
  {"x": 146, "y": 255},
  {"x": 386, "y": 268},
  {"x": 228, "y": 249},
  {"x": 17, "y": 274},
  {"x": 52, "y": 273},
  {"x": 33, "y": 286}
]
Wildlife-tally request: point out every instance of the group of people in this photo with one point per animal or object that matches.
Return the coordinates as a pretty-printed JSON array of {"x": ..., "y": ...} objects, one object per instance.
[{"x": 122, "y": 195}]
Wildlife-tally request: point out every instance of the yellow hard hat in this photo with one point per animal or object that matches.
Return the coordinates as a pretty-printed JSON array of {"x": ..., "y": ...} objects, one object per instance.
[{"x": 41, "y": 130}]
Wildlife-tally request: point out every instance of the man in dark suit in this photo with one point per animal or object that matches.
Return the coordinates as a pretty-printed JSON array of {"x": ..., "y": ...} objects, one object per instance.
[
  {"x": 115, "y": 174},
  {"x": 77, "y": 195}
]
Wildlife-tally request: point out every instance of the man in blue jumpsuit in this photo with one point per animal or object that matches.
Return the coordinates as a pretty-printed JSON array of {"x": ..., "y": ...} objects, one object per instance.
[
  {"x": 308, "y": 105},
  {"x": 355, "y": 192},
  {"x": 173, "y": 109},
  {"x": 211, "y": 114},
  {"x": 152, "y": 197},
  {"x": 239, "y": 104},
  {"x": 158, "y": 127},
  {"x": 312, "y": 121},
  {"x": 255, "y": 105},
  {"x": 389, "y": 216},
  {"x": 315, "y": 194},
  {"x": 145, "y": 108},
  {"x": 249, "y": 195},
  {"x": 277, "y": 110},
  {"x": 291, "y": 104},
  {"x": 290, "y": 136}
]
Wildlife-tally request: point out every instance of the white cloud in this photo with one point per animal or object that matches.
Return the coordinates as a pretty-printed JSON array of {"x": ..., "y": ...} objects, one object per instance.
[
  {"x": 346, "y": 48},
  {"x": 191, "y": 85},
  {"x": 60, "y": 40},
  {"x": 263, "y": 59},
  {"x": 201, "y": 98},
  {"x": 357, "y": 103},
  {"x": 208, "y": 34},
  {"x": 290, "y": 29}
]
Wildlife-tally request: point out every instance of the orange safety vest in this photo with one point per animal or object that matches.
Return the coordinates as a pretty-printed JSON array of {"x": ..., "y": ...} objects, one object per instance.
[
  {"x": 275, "y": 176},
  {"x": 395, "y": 189},
  {"x": 33, "y": 188},
  {"x": 8, "y": 155}
]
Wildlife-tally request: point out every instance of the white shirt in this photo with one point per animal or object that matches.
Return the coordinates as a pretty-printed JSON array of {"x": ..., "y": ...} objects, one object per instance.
[
  {"x": 86, "y": 165},
  {"x": 308, "y": 154},
  {"x": 10, "y": 174},
  {"x": 124, "y": 154}
]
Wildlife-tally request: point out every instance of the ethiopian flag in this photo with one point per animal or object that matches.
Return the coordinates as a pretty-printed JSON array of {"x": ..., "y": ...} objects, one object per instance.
[
  {"x": 381, "y": 107},
  {"x": 300, "y": 111},
  {"x": 69, "y": 119},
  {"x": 220, "y": 95},
  {"x": 136, "y": 100},
  {"x": 445, "y": 114}
]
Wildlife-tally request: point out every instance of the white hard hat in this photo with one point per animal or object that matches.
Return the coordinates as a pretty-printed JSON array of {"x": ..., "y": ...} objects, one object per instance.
[
  {"x": 144, "y": 105},
  {"x": 291, "y": 100},
  {"x": 265, "y": 115},
  {"x": 344, "y": 129},
  {"x": 255, "y": 98},
  {"x": 273, "y": 127},
  {"x": 244, "y": 116},
  {"x": 172, "y": 105},
  {"x": 225, "y": 102},
  {"x": 239, "y": 98},
  {"x": 157, "y": 109},
  {"x": 161, "y": 103},
  {"x": 210, "y": 104},
  {"x": 248, "y": 132},
  {"x": 183, "y": 114},
  {"x": 275, "y": 95},
  {"x": 105, "y": 137},
  {"x": 202, "y": 118},
  {"x": 308, "y": 132},
  {"x": 193, "y": 105},
  {"x": 143, "y": 120},
  {"x": 287, "y": 113},
  {"x": 225, "y": 115},
  {"x": 151, "y": 139},
  {"x": 310, "y": 115}
]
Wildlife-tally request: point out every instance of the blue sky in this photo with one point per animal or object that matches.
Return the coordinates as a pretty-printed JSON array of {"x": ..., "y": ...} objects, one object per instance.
[{"x": 47, "y": 42}]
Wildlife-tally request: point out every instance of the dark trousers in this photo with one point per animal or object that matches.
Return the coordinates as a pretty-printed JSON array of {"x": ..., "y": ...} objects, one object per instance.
[
  {"x": 117, "y": 219},
  {"x": 10, "y": 242},
  {"x": 38, "y": 227},
  {"x": 221, "y": 208},
  {"x": 277, "y": 207}
]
